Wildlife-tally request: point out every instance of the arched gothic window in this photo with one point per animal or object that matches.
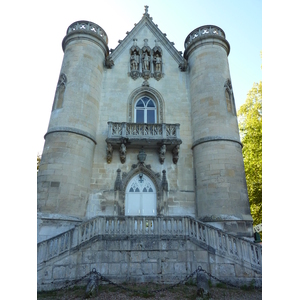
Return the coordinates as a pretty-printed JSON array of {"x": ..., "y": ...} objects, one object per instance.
[{"x": 145, "y": 111}]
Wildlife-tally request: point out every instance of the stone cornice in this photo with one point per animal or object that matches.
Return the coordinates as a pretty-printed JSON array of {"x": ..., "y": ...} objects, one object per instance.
[
  {"x": 71, "y": 130},
  {"x": 215, "y": 139}
]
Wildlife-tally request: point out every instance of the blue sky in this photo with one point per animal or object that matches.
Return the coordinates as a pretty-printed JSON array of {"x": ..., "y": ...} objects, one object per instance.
[{"x": 241, "y": 21}]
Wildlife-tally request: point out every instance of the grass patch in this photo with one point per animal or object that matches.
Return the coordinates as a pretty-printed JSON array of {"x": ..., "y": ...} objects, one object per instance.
[
  {"x": 221, "y": 285},
  {"x": 46, "y": 294},
  {"x": 191, "y": 282},
  {"x": 249, "y": 287}
]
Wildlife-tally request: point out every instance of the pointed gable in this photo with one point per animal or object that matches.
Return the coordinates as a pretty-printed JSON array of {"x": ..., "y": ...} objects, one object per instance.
[{"x": 144, "y": 26}]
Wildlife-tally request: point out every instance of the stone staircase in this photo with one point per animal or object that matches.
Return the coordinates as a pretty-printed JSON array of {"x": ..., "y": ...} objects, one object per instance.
[{"x": 143, "y": 249}]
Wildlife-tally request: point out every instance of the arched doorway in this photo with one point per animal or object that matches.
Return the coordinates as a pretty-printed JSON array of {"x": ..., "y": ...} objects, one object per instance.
[{"x": 140, "y": 197}]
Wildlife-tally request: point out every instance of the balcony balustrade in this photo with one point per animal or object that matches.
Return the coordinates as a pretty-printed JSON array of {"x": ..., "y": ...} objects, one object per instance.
[{"x": 163, "y": 137}]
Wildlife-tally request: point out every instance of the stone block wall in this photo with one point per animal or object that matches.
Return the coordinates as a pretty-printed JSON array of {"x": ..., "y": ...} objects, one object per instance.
[{"x": 138, "y": 259}]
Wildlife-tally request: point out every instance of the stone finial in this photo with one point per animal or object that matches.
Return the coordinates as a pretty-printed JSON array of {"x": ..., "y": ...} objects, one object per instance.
[
  {"x": 146, "y": 9},
  {"x": 134, "y": 42},
  {"x": 118, "y": 182},
  {"x": 164, "y": 181},
  {"x": 146, "y": 42}
]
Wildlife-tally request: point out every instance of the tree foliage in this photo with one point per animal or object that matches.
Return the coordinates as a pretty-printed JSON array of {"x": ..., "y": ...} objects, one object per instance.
[
  {"x": 38, "y": 162},
  {"x": 250, "y": 126}
]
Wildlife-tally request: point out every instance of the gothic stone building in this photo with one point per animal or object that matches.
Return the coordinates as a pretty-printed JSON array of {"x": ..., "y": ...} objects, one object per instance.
[{"x": 143, "y": 130}]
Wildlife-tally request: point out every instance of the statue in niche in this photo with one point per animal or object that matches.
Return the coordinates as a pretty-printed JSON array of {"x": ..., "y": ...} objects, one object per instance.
[
  {"x": 157, "y": 61},
  {"x": 134, "y": 61},
  {"x": 146, "y": 62}
]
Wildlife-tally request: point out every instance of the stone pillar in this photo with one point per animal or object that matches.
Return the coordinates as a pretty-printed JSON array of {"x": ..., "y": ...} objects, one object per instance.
[
  {"x": 66, "y": 164},
  {"x": 221, "y": 191}
]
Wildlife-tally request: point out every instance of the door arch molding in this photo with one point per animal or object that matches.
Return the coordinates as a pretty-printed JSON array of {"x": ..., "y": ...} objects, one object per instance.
[
  {"x": 140, "y": 196},
  {"x": 159, "y": 181}
]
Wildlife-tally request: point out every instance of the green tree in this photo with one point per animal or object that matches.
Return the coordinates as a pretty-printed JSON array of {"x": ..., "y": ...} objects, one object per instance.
[
  {"x": 250, "y": 126},
  {"x": 38, "y": 161}
]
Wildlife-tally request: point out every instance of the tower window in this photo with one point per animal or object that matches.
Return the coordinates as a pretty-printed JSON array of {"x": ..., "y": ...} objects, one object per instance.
[{"x": 145, "y": 111}]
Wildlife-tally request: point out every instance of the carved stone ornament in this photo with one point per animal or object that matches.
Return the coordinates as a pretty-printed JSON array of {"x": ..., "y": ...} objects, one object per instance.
[
  {"x": 142, "y": 156},
  {"x": 109, "y": 153},
  {"x": 175, "y": 153},
  {"x": 164, "y": 183},
  {"x": 135, "y": 63},
  {"x": 162, "y": 153},
  {"x": 59, "y": 93},
  {"x": 229, "y": 97},
  {"x": 157, "y": 75},
  {"x": 183, "y": 66},
  {"x": 145, "y": 62},
  {"x": 145, "y": 83},
  {"x": 118, "y": 182},
  {"x": 146, "y": 74},
  {"x": 157, "y": 61},
  {"x": 135, "y": 74},
  {"x": 109, "y": 62},
  {"x": 122, "y": 151},
  {"x": 62, "y": 80}
]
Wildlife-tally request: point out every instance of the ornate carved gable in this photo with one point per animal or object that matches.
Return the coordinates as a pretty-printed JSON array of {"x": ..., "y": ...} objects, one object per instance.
[{"x": 140, "y": 48}]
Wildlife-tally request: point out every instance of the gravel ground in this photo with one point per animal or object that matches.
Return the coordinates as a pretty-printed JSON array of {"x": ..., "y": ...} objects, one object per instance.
[{"x": 110, "y": 292}]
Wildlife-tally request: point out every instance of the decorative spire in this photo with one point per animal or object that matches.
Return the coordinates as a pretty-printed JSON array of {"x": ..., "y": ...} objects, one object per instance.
[{"x": 146, "y": 9}]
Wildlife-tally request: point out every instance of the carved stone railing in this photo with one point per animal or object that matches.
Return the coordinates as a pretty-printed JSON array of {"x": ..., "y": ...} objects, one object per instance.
[
  {"x": 203, "y": 31},
  {"x": 161, "y": 136},
  {"x": 89, "y": 27},
  {"x": 215, "y": 240},
  {"x": 139, "y": 130}
]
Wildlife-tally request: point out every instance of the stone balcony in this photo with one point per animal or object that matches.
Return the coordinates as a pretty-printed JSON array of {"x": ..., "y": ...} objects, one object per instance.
[{"x": 163, "y": 137}]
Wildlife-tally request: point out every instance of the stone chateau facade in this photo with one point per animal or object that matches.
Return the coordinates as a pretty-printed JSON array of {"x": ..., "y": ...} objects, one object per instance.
[{"x": 143, "y": 130}]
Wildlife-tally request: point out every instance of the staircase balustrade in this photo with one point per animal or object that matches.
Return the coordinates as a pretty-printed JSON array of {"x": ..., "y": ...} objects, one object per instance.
[{"x": 223, "y": 243}]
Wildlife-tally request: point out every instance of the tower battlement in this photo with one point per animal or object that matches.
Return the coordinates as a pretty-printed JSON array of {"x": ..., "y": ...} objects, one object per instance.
[
  {"x": 207, "y": 33},
  {"x": 86, "y": 29}
]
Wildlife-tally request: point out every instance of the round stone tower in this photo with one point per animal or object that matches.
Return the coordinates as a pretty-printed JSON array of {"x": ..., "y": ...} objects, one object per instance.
[
  {"x": 66, "y": 164},
  {"x": 221, "y": 190}
]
